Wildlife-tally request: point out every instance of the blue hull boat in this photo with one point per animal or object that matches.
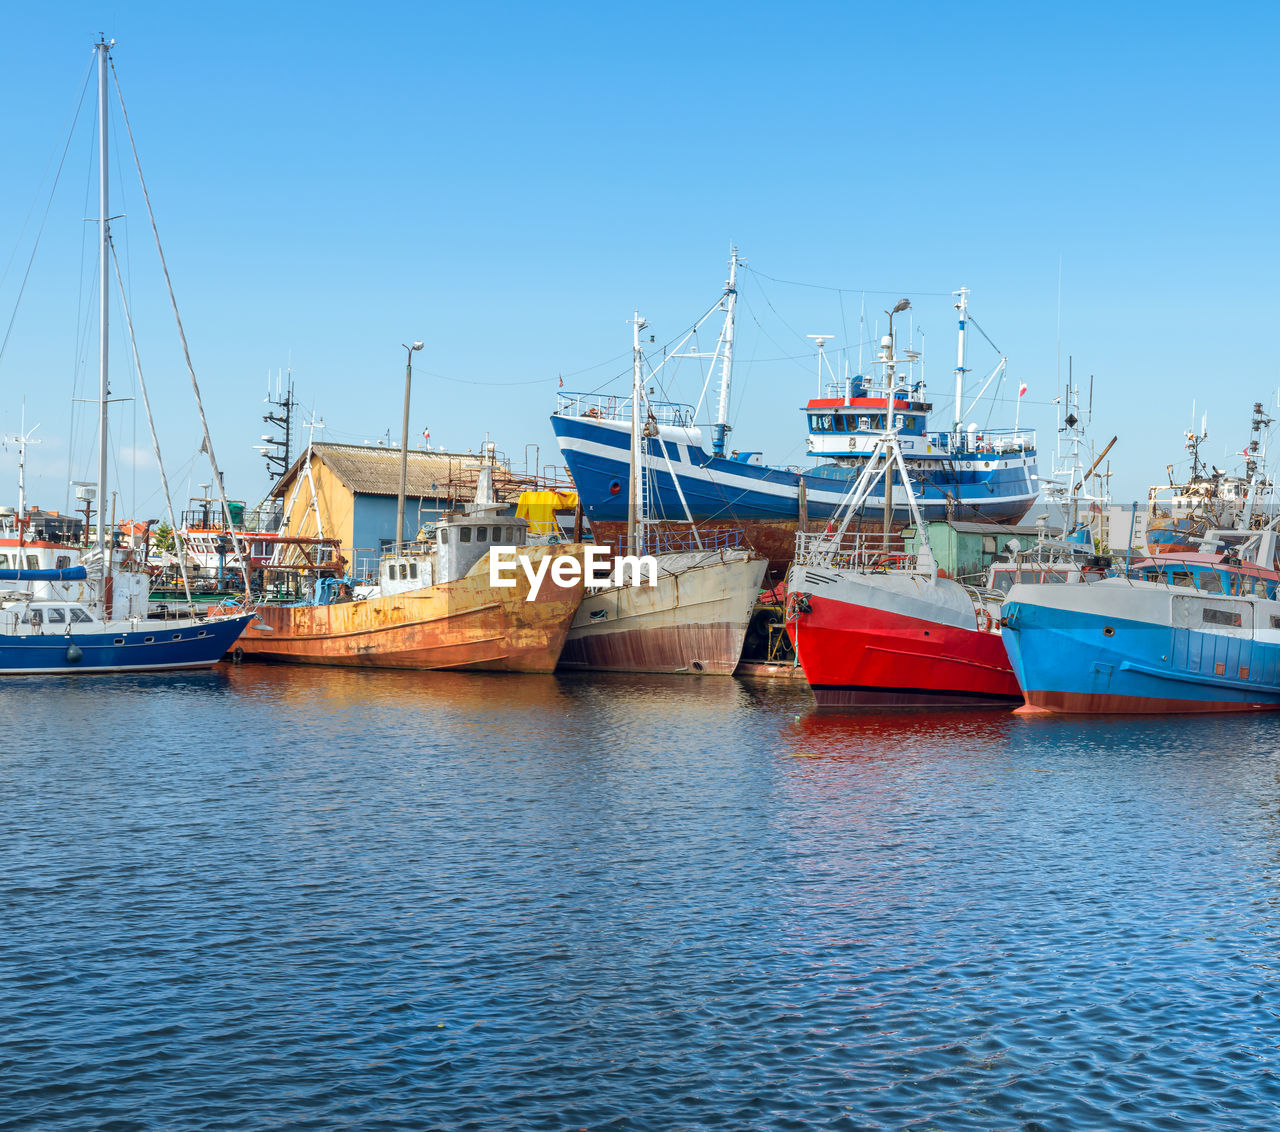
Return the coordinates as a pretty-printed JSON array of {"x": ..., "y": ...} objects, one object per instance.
[{"x": 1179, "y": 633}]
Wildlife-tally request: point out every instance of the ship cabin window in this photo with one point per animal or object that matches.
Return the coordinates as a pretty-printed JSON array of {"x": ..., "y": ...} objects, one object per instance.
[
  {"x": 79, "y": 616},
  {"x": 4, "y": 561},
  {"x": 62, "y": 562},
  {"x": 1275, "y": 621},
  {"x": 1211, "y": 583},
  {"x": 413, "y": 571},
  {"x": 821, "y": 422},
  {"x": 482, "y": 534},
  {"x": 465, "y": 534},
  {"x": 1213, "y": 616},
  {"x": 442, "y": 536},
  {"x": 404, "y": 571},
  {"x": 391, "y": 571},
  {"x": 33, "y": 562},
  {"x": 1180, "y": 578},
  {"x": 57, "y": 615},
  {"x": 840, "y": 423}
]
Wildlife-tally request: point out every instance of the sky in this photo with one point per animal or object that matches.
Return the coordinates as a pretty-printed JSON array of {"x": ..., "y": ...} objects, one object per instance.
[{"x": 509, "y": 182}]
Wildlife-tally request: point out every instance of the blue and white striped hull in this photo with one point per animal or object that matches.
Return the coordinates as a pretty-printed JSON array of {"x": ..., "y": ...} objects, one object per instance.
[
  {"x": 1000, "y": 489},
  {"x": 155, "y": 647}
]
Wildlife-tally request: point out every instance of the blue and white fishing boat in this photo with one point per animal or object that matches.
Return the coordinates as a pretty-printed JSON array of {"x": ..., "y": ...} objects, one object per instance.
[
  {"x": 1179, "y": 632},
  {"x": 43, "y": 631},
  {"x": 965, "y": 472}
]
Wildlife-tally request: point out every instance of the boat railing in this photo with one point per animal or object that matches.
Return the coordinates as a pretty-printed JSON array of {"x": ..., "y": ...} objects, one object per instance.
[
  {"x": 854, "y": 550},
  {"x": 676, "y": 542},
  {"x": 986, "y": 442},
  {"x": 599, "y": 406}
]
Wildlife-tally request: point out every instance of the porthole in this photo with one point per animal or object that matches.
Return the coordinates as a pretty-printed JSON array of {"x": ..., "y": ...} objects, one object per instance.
[
  {"x": 148, "y": 640},
  {"x": 177, "y": 636},
  {"x": 1108, "y": 630},
  {"x": 202, "y": 633},
  {"x": 118, "y": 641}
]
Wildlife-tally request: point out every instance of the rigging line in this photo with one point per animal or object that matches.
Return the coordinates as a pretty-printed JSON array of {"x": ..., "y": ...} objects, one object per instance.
[
  {"x": 151, "y": 424},
  {"x": 75, "y": 117},
  {"x": 486, "y": 384},
  {"x": 851, "y": 290},
  {"x": 666, "y": 346},
  {"x": 236, "y": 543},
  {"x": 44, "y": 220},
  {"x": 974, "y": 323}
]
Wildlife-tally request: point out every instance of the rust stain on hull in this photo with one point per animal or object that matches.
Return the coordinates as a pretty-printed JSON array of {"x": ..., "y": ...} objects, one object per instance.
[{"x": 464, "y": 624}]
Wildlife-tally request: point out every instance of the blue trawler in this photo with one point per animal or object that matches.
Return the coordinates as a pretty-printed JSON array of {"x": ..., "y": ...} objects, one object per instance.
[
  {"x": 1181, "y": 632},
  {"x": 966, "y": 472}
]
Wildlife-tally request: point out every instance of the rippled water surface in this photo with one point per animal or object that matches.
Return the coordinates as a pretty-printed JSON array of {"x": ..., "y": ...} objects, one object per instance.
[{"x": 285, "y": 898}]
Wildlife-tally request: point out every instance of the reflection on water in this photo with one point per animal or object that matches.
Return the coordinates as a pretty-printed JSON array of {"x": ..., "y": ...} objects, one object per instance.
[{"x": 286, "y": 896}]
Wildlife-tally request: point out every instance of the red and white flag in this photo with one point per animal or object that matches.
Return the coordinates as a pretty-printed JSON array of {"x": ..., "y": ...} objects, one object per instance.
[
  {"x": 1022, "y": 389},
  {"x": 426, "y": 434}
]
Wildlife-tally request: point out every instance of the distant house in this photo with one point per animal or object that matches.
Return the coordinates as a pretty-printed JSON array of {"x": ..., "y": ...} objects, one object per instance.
[{"x": 348, "y": 492}]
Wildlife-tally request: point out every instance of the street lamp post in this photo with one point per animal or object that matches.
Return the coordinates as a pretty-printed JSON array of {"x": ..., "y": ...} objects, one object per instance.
[{"x": 404, "y": 446}]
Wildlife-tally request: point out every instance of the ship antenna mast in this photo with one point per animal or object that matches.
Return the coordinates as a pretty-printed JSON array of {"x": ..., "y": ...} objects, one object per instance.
[
  {"x": 729, "y": 302},
  {"x": 963, "y": 307}
]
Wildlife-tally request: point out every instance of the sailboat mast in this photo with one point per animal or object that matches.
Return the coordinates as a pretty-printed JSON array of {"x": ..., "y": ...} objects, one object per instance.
[
  {"x": 635, "y": 493},
  {"x": 104, "y": 237},
  {"x": 726, "y": 368}
]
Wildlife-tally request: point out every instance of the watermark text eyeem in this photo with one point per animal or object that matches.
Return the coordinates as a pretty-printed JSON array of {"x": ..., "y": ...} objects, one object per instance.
[{"x": 599, "y": 570}]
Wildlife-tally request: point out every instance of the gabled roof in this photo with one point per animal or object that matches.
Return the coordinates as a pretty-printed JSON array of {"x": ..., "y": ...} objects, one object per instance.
[{"x": 367, "y": 469}]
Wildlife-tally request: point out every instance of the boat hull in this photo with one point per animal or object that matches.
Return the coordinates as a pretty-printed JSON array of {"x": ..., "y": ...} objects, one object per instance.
[
  {"x": 464, "y": 624},
  {"x": 693, "y": 621},
  {"x": 137, "y": 646},
  {"x": 896, "y": 640},
  {"x": 1122, "y": 648},
  {"x": 1174, "y": 536}
]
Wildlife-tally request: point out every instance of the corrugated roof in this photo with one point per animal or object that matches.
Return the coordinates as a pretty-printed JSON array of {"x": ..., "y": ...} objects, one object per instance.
[{"x": 375, "y": 470}]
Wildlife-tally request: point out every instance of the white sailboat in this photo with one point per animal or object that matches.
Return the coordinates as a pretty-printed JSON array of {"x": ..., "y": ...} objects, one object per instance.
[{"x": 43, "y": 630}]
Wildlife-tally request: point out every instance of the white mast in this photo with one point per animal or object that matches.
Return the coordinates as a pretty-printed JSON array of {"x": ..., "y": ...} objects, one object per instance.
[
  {"x": 104, "y": 237},
  {"x": 22, "y": 440},
  {"x": 635, "y": 496},
  {"x": 729, "y": 302},
  {"x": 963, "y": 307}
]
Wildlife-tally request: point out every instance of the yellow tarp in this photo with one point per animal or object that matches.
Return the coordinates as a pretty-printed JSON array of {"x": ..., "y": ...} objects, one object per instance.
[{"x": 540, "y": 507}]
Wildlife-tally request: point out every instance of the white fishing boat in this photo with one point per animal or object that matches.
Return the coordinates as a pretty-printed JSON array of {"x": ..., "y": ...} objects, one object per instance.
[{"x": 694, "y": 616}]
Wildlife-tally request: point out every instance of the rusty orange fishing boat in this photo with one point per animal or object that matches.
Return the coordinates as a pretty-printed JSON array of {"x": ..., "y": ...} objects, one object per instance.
[{"x": 436, "y": 604}]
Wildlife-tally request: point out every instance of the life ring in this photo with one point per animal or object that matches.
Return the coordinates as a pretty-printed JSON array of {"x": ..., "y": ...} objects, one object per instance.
[
  {"x": 592, "y": 413},
  {"x": 985, "y": 620}
]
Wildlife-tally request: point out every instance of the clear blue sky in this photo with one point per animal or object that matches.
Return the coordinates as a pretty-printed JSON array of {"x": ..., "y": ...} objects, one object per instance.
[{"x": 509, "y": 181}]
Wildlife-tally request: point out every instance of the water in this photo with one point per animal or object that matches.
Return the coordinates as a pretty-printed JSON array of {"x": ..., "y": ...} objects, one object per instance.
[{"x": 280, "y": 898}]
